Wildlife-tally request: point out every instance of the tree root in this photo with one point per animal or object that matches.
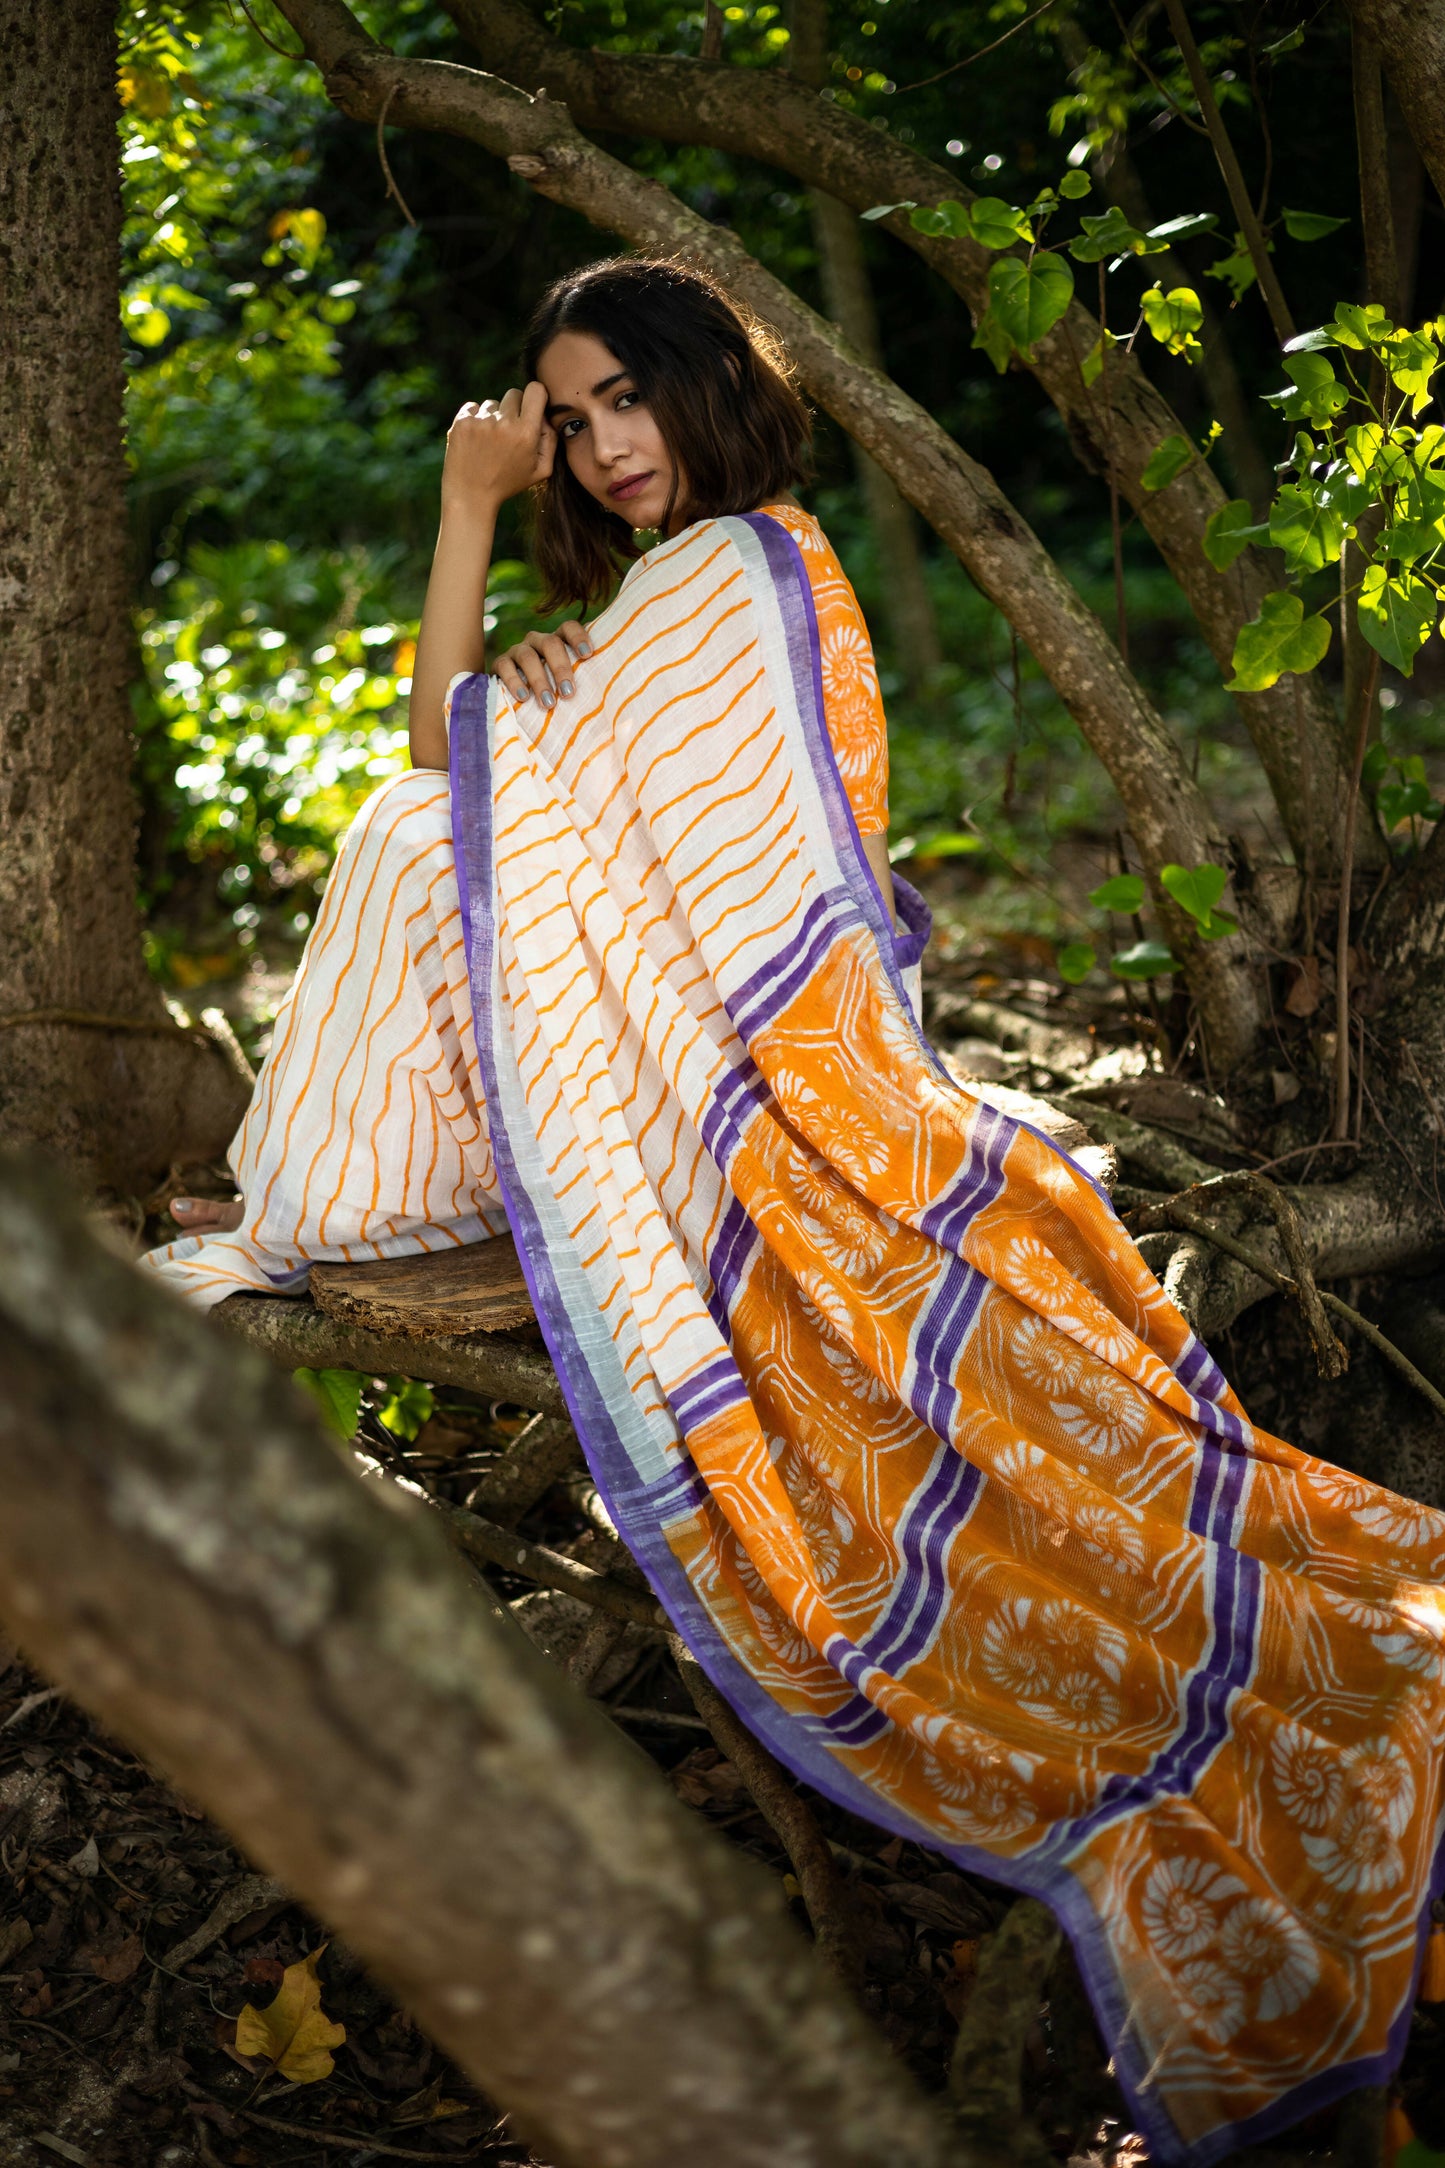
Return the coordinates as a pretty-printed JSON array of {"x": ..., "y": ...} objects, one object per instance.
[
  {"x": 985, "y": 2074},
  {"x": 490, "y": 1545},
  {"x": 791, "y": 1819},
  {"x": 1176, "y": 1214}
]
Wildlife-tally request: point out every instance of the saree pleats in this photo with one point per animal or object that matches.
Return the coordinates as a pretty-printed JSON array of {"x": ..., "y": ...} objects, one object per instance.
[{"x": 929, "y": 1473}]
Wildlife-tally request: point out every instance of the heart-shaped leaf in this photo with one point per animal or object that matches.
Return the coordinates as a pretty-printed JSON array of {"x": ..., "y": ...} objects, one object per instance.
[
  {"x": 1280, "y": 640},
  {"x": 1028, "y": 298},
  {"x": 1075, "y": 183},
  {"x": 1311, "y": 534},
  {"x": 996, "y": 224},
  {"x": 1107, "y": 233},
  {"x": 1397, "y": 615},
  {"x": 338, "y": 1395},
  {"x": 1196, "y": 889},
  {"x": 1228, "y": 531}
]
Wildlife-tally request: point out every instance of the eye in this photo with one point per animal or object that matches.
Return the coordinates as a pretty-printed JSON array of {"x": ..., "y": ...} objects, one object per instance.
[
  {"x": 569, "y": 429},
  {"x": 626, "y": 399}
]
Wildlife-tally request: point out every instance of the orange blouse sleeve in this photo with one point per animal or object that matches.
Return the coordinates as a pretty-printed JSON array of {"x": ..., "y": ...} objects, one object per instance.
[{"x": 852, "y": 703}]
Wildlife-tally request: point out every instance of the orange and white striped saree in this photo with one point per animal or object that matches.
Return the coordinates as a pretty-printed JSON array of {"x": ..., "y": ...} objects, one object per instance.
[{"x": 931, "y": 1476}]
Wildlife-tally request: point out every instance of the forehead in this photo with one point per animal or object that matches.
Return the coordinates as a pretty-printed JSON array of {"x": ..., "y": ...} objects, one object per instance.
[{"x": 571, "y": 364}]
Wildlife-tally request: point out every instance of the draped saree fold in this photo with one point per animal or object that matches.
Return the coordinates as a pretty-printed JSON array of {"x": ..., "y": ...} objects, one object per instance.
[{"x": 929, "y": 1473}]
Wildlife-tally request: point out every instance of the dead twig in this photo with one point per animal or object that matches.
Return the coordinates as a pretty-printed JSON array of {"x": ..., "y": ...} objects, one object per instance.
[
  {"x": 1195, "y": 1223},
  {"x": 791, "y": 1819},
  {"x": 248, "y": 1895},
  {"x": 984, "y": 2075},
  {"x": 353, "y": 2140},
  {"x": 494, "y": 1546},
  {"x": 546, "y": 1449},
  {"x": 31, "y": 1702},
  {"x": 391, "y": 187}
]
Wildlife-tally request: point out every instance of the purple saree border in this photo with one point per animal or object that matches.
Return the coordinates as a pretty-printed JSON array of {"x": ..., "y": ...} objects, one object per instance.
[{"x": 799, "y": 1741}]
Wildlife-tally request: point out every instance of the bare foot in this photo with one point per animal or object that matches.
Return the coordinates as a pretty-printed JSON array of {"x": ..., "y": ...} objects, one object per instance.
[{"x": 205, "y": 1215}]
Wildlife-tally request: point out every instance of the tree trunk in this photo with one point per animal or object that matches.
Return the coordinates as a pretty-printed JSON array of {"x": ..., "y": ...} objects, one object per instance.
[
  {"x": 1411, "y": 38},
  {"x": 183, "y": 1549},
  {"x": 118, "y": 1104},
  {"x": 848, "y": 298}
]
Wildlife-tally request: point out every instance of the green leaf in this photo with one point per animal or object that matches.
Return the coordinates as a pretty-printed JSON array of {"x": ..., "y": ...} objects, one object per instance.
[
  {"x": 1361, "y": 327},
  {"x": 1310, "y": 534},
  {"x": 948, "y": 843},
  {"x": 1144, "y": 960},
  {"x": 1075, "y": 183},
  {"x": 1402, "y": 801},
  {"x": 1076, "y": 961},
  {"x": 1312, "y": 342},
  {"x": 1091, "y": 368},
  {"x": 1318, "y": 395},
  {"x": 1183, "y": 229},
  {"x": 148, "y": 327},
  {"x": 1166, "y": 461},
  {"x": 1281, "y": 639},
  {"x": 1229, "y": 531},
  {"x": 990, "y": 338},
  {"x": 1173, "y": 318},
  {"x": 996, "y": 224},
  {"x": 1412, "y": 360},
  {"x": 884, "y": 210},
  {"x": 1310, "y": 225},
  {"x": 1125, "y": 892},
  {"x": 1107, "y": 233},
  {"x": 1237, "y": 268},
  {"x": 408, "y": 1405},
  {"x": 1397, "y": 615},
  {"x": 1196, "y": 889},
  {"x": 1344, "y": 492},
  {"x": 1376, "y": 765},
  {"x": 949, "y": 218},
  {"x": 1029, "y": 298},
  {"x": 338, "y": 1395}
]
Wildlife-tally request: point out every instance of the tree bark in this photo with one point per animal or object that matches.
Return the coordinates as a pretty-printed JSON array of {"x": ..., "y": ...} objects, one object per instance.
[
  {"x": 185, "y": 1552},
  {"x": 766, "y": 114},
  {"x": 119, "y": 1105},
  {"x": 848, "y": 298},
  {"x": 1166, "y": 811},
  {"x": 1411, "y": 38}
]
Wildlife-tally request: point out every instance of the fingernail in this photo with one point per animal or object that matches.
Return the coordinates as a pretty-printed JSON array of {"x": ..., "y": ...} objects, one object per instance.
[
  {"x": 566, "y": 688},
  {"x": 180, "y": 1204},
  {"x": 584, "y": 650}
]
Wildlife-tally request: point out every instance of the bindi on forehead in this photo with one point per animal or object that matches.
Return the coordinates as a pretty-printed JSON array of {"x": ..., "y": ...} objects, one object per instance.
[{"x": 598, "y": 391}]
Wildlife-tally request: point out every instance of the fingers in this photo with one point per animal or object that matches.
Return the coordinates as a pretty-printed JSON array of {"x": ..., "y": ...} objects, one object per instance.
[
  {"x": 541, "y": 666},
  {"x": 524, "y": 673},
  {"x": 532, "y": 403},
  {"x": 575, "y": 635}
]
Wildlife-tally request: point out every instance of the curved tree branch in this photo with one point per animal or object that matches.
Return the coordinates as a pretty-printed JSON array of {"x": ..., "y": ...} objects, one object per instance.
[
  {"x": 182, "y": 1547},
  {"x": 1166, "y": 811},
  {"x": 769, "y": 115}
]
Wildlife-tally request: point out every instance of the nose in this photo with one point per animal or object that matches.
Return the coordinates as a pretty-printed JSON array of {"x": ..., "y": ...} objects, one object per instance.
[{"x": 611, "y": 440}]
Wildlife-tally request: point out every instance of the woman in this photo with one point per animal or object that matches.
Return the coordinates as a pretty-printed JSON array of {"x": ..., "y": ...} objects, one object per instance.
[{"x": 930, "y": 1474}]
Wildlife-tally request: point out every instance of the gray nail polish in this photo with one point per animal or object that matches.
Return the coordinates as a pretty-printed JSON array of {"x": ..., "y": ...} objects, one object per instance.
[
  {"x": 566, "y": 688},
  {"x": 584, "y": 650}
]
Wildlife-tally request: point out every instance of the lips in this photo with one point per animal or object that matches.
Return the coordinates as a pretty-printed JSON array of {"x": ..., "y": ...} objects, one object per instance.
[{"x": 629, "y": 486}]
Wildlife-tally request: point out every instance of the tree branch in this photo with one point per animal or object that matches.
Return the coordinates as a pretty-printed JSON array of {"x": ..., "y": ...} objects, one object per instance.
[
  {"x": 1411, "y": 39},
  {"x": 1167, "y": 813},
  {"x": 985, "y": 2073},
  {"x": 769, "y": 115},
  {"x": 183, "y": 1549}
]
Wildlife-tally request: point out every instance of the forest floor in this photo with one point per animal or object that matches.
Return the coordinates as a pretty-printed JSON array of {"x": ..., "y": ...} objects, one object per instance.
[{"x": 133, "y": 1934}]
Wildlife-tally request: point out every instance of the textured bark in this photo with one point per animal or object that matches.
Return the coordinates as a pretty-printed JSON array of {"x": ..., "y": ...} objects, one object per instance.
[
  {"x": 848, "y": 298},
  {"x": 297, "y": 1336},
  {"x": 1411, "y": 38},
  {"x": 766, "y": 114},
  {"x": 119, "y": 1105},
  {"x": 1166, "y": 811},
  {"x": 185, "y": 1552}
]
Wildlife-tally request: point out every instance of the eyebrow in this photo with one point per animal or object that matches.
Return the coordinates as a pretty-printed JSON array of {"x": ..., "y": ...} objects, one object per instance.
[{"x": 563, "y": 407}]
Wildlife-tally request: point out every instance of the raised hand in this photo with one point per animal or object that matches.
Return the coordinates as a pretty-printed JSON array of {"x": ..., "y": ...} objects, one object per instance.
[
  {"x": 495, "y": 449},
  {"x": 540, "y": 665}
]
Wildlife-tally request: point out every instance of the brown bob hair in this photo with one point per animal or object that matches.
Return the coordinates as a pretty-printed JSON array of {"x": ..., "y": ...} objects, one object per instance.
[{"x": 715, "y": 381}]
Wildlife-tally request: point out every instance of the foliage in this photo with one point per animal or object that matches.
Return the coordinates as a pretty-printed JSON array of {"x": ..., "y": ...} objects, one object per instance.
[{"x": 293, "y": 2033}]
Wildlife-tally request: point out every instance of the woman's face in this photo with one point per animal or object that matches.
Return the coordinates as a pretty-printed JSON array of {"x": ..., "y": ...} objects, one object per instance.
[{"x": 609, "y": 438}]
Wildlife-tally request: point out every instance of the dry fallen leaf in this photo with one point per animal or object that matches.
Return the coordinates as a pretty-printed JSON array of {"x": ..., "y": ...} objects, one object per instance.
[
  {"x": 1305, "y": 991},
  {"x": 114, "y": 1962},
  {"x": 293, "y": 2032}
]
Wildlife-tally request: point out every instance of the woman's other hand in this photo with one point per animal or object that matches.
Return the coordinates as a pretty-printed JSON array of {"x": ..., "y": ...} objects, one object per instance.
[
  {"x": 540, "y": 666},
  {"x": 496, "y": 448}
]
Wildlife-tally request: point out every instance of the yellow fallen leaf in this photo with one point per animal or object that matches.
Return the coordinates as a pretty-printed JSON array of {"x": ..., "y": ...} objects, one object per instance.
[{"x": 293, "y": 2032}]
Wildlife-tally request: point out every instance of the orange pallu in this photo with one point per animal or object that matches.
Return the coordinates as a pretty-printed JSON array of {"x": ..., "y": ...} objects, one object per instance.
[{"x": 933, "y": 1479}]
